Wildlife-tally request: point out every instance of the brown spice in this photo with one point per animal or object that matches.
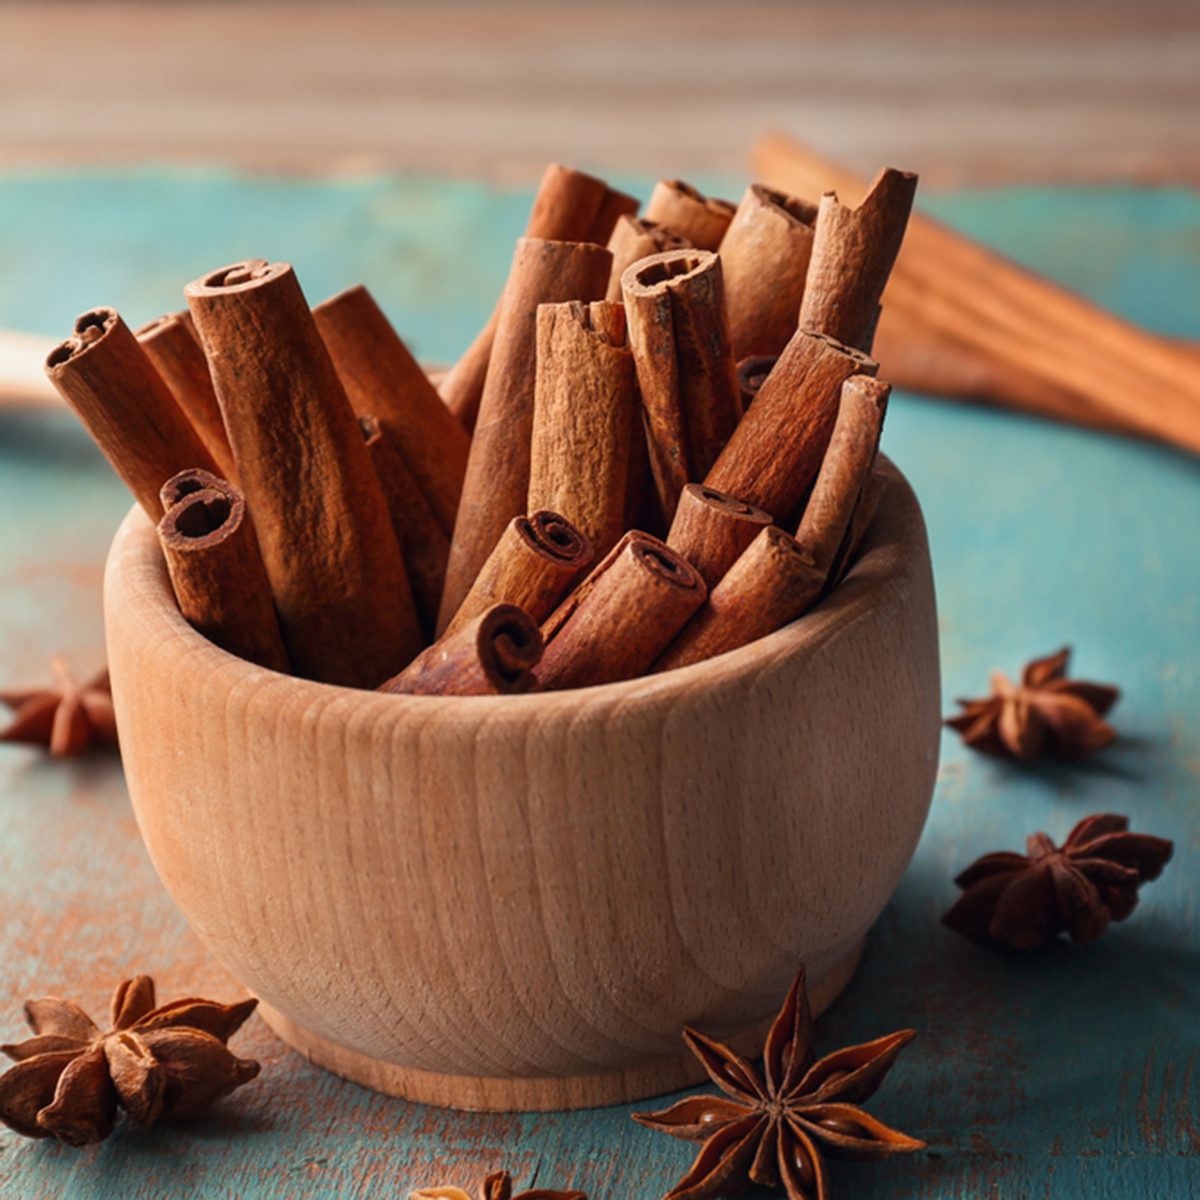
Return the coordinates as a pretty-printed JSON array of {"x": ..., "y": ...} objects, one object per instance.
[
  {"x": 781, "y": 1116},
  {"x": 492, "y": 654},
  {"x": 496, "y": 485},
  {"x": 712, "y": 529},
  {"x": 865, "y": 508},
  {"x": 106, "y": 377},
  {"x": 537, "y": 561},
  {"x": 765, "y": 254},
  {"x": 675, "y": 307},
  {"x": 777, "y": 450},
  {"x": 424, "y": 544},
  {"x": 1025, "y": 900},
  {"x": 337, "y": 576},
  {"x": 852, "y": 256},
  {"x": 752, "y": 373},
  {"x": 66, "y": 718},
  {"x": 701, "y": 219},
  {"x": 570, "y": 206},
  {"x": 633, "y": 239},
  {"x": 383, "y": 380},
  {"x": 163, "y": 1063},
  {"x": 1047, "y": 713},
  {"x": 584, "y": 419},
  {"x": 218, "y": 576},
  {"x": 497, "y": 1186},
  {"x": 773, "y": 582},
  {"x": 618, "y": 621}
]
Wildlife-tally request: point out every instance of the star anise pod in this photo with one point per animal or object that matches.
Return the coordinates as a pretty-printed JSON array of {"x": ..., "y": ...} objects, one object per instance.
[
  {"x": 67, "y": 718},
  {"x": 497, "y": 1186},
  {"x": 1024, "y": 900},
  {"x": 156, "y": 1063},
  {"x": 783, "y": 1116},
  {"x": 1046, "y": 713}
]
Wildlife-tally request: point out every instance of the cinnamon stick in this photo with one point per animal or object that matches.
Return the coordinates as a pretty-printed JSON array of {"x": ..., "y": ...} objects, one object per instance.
[
  {"x": 105, "y": 376},
  {"x": 1038, "y": 347},
  {"x": 537, "y": 561},
  {"x": 618, "y": 621},
  {"x": 184, "y": 483},
  {"x": 218, "y": 575},
  {"x": 424, "y": 545},
  {"x": 765, "y": 255},
  {"x": 776, "y": 451},
  {"x": 675, "y": 307},
  {"x": 383, "y": 380},
  {"x": 846, "y": 468},
  {"x": 865, "y": 508},
  {"x": 584, "y": 413},
  {"x": 712, "y": 529},
  {"x": 337, "y": 576},
  {"x": 701, "y": 219},
  {"x": 633, "y": 239},
  {"x": 773, "y": 582},
  {"x": 852, "y": 255},
  {"x": 171, "y": 345},
  {"x": 570, "y": 206},
  {"x": 496, "y": 483},
  {"x": 492, "y": 654}
]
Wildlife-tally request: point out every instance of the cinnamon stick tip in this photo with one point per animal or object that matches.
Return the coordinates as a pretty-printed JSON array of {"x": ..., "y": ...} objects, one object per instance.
[
  {"x": 868, "y": 364},
  {"x": 90, "y": 327},
  {"x": 869, "y": 388},
  {"x": 510, "y": 643},
  {"x": 663, "y": 269},
  {"x": 723, "y": 500},
  {"x": 658, "y": 558},
  {"x": 202, "y": 518},
  {"x": 713, "y": 203},
  {"x": 239, "y": 276},
  {"x": 185, "y": 483},
  {"x": 552, "y": 533},
  {"x": 803, "y": 212}
]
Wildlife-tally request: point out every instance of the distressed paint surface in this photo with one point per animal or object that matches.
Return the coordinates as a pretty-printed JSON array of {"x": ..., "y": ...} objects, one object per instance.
[{"x": 1069, "y": 1073}]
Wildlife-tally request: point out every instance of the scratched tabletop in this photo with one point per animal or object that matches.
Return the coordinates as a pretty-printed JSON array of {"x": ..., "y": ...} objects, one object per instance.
[{"x": 1069, "y": 1072}]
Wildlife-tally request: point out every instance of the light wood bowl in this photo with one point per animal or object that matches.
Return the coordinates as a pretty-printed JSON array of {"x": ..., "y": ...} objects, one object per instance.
[{"x": 516, "y": 903}]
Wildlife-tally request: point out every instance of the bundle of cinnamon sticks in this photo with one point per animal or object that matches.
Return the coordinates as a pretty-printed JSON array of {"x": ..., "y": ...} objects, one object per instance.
[{"x": 661, "y": 446}]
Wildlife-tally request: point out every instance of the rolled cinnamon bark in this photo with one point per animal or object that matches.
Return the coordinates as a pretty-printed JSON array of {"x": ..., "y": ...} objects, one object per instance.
[
  {"x": 493, "y": 654},
  {"x": 126, "y": 405},
  {"x": 184, "y": 483},
  {"x": 852, "y": 256},
  {"x": 773, "y": 582},
  {"x": 846, "y": 468},
  {"x": 171, "y": 345},
  {"x": 218, "y": 576},
  {"x": 701, "y": 219},
  {"x": 712, "y": 529},
  {"x": 765, "y": 254},
  {"x": 865, "y": 508},
  {"x": 537, "y": 561},
  {"x": 570, "y": 206},
  {"x": 496, "y": 485},
  {"x": 584, "y": 412},
  {"x": 383, "y": 380},
  {"x": 337, "y": 576},
  {"x": 675, "y": 307},
  {"x": 633, "y": 239},
  {"x": 752, "y": 373},
  {"x": 618, "y": 621},
  {"x": 424, "y": 545},
  {"x": 776, "y": 450}
]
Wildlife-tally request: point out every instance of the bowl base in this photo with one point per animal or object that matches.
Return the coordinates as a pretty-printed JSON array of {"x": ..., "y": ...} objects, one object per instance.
[{"x": 539, "y": 1093}]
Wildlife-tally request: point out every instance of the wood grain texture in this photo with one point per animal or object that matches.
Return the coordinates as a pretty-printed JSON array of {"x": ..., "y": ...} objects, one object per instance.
[
  {"x": 526, "y": 889},
  {"x": 974, "y": 92},
  {"x": 1065, "y": 1076}
]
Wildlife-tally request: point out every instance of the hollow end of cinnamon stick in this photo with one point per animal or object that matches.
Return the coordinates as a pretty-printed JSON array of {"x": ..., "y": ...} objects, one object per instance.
[
  {"x": 702, "y": 219},
  {"x": 711, "y": 529},
  {"x": 752, "y": 373},
  {"x": 184, "y": 483},
  {"x": 493, "y": 654}
]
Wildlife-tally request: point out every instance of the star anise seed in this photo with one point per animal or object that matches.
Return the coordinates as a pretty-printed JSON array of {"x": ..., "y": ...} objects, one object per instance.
[
  {"x": 1025, "y": 900},
  {"x": 784, "y": 1114},
  {"x": 155, "y": 1063},
  {"x": 1047, "y": 713},
  {"x": 497, "y": 1186},
  {"x": 67, "y": 718}
]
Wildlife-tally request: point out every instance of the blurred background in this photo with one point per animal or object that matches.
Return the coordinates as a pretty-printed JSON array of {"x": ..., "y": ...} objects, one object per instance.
[{"x": 964, "y": 92}]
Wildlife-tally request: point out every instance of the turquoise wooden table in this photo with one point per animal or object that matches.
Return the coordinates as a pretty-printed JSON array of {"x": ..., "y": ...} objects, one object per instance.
[{"x": 1068, "y": 1073}]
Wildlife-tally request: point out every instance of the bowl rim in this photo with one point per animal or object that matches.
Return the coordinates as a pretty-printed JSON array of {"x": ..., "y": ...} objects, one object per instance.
[{"x": 136, "y": 569}]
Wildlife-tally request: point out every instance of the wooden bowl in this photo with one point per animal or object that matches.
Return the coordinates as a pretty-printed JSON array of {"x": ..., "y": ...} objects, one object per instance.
[{"x": 516, "y": 903}]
